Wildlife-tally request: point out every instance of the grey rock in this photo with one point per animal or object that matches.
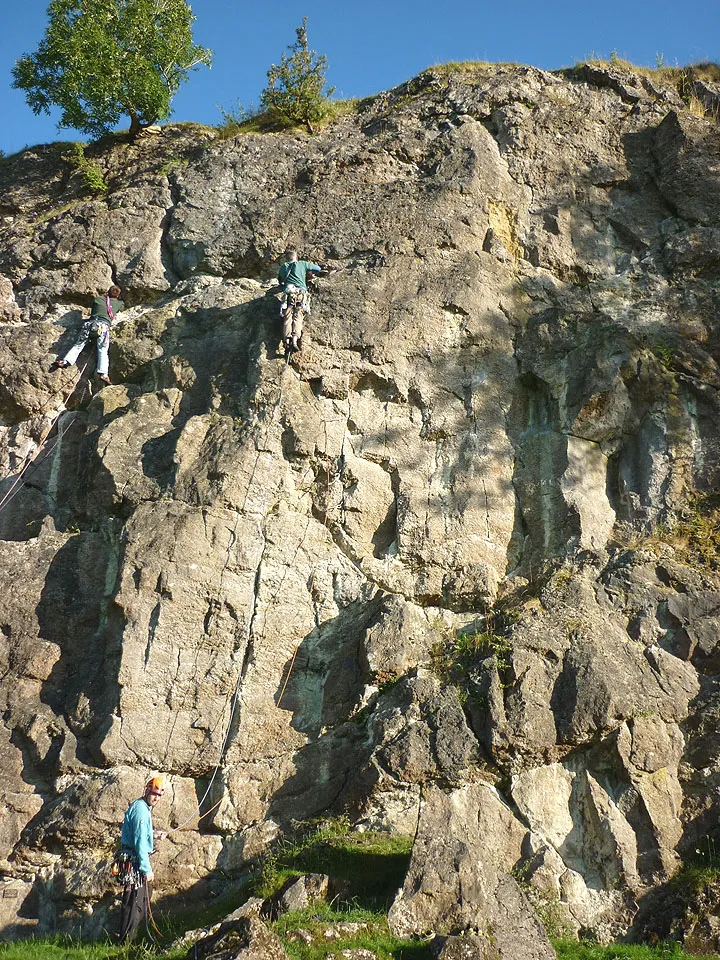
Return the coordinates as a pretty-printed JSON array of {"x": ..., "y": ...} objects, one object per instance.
[
  {"x": 683, "y": 146},
  {"x": 516, "y": 935},
  {"x": 246, "y": 938},
  {"x": 301, "y": 892},
  {"x": 457, "y": 881},
  {"x": 241, "y": 570},
  {"x": 400, "y": 639}
]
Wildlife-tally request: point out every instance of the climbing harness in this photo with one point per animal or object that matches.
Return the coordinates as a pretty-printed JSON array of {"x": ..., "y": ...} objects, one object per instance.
[
  {"x": 125, "y": 871},
  {"x": 294, "y": 304},
  {"x": 99, "y": 328}
]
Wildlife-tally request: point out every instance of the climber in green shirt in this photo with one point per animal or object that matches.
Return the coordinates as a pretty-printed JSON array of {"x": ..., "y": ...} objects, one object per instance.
[{"x": 292, "y": 277}]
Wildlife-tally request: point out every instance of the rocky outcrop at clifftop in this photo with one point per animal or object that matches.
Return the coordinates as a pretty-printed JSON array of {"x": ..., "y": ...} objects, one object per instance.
[{"x": 458, "y": 553}]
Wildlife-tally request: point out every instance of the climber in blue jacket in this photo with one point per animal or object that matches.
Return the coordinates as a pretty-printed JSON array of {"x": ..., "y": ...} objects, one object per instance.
[{"x": 136, "y": 843}]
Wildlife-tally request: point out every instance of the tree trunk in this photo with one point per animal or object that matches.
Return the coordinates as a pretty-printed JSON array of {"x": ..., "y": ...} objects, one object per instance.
[{"x": 134, "y": 124}]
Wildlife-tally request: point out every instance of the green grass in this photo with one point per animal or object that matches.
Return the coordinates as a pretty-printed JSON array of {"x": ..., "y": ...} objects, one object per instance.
[
  {"x": 174, "y": 925},
  {"x": 65, "y": 948},
  {"x": 172, "y": 163},
  {"x": 243, "y": 120},
  {"x": 700, "y": 870},
  {"x": 456, "y": 656},
  {"x": 374, "y": 864},
  {"x": 572, "y": 950},
  {"x": 466, "y": 69},
  {"x": 374, "y": 934},
  {"x": 696, "y": 877},
  {"x": 700, "y": 531}
]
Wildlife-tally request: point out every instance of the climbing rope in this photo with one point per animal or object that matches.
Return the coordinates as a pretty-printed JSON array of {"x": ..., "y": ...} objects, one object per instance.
[
  {"x": 32, "y": 457},
  {"x": 149, "y": 914},
  {"x": 236, "y": 693},
  {"x": 327, "y": 500},
  {"x": 37, "y": 460}
]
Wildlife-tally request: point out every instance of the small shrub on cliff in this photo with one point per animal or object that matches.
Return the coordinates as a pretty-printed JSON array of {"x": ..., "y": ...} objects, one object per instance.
[
  {"x": 90, "y": 172},
  {"x": 296, "y": 92},
  {"x": 696, "y": 537},
  {"x": 242, "y": 119},
  {"x": 456, "y": 656},
  {"x": 701, "y": 870},
  {"x": 702, "y": 530}
]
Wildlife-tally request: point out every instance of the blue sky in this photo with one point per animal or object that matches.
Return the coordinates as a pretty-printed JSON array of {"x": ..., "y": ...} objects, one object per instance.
[{"x": 374, "y": 45}]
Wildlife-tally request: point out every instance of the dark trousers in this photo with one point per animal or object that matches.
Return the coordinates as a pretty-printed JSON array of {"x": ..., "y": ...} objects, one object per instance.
[{"x": 134, "y": 910}]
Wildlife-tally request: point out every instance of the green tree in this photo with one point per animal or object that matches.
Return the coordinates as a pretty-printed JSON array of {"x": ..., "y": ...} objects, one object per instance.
[
  {"x": 295, "y": 92},
  {"x": 103, "y": 59}
]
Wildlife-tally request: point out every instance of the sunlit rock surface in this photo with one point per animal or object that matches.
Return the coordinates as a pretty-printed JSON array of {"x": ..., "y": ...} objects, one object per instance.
[{"x": 252, "y": 574}]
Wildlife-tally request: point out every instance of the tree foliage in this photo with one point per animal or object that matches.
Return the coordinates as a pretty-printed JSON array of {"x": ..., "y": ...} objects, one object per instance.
[
  {"x": 103, "y": 59},
  {"x": 295, "y": 92}
]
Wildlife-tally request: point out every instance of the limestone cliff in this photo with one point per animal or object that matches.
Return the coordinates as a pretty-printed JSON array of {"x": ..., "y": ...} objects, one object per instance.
[{"x": 448, "y": 570}]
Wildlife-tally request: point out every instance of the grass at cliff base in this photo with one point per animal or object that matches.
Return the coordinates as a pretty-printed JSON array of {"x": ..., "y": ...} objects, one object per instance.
[
  {"x": 572, "y": 950},
  {"x": 330, "y": 930},
  {"x": 375, "y": 936},
  {"x": 373, "y": 864},
  {"x": 65, "y": 948}
]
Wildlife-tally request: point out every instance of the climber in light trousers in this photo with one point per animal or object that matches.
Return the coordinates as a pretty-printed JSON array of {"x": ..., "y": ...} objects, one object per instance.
[
  {"x": 137, "y": 843},
  {"x": 292, "y": 277},
  {"x": 102, "y": 315}
]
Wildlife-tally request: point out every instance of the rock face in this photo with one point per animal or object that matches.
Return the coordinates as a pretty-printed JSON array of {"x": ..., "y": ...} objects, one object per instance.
[
  {"x": 501, "y": 437},
  {"x": 467, "y": 844}
]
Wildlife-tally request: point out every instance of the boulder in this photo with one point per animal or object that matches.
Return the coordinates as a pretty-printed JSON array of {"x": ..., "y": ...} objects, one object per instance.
[
  {"x": 243, "y": 938},
  {"x": 518, "y": 935},
  {"x": 297, "y": 893},
  {"x": 467, "y": 843}
]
